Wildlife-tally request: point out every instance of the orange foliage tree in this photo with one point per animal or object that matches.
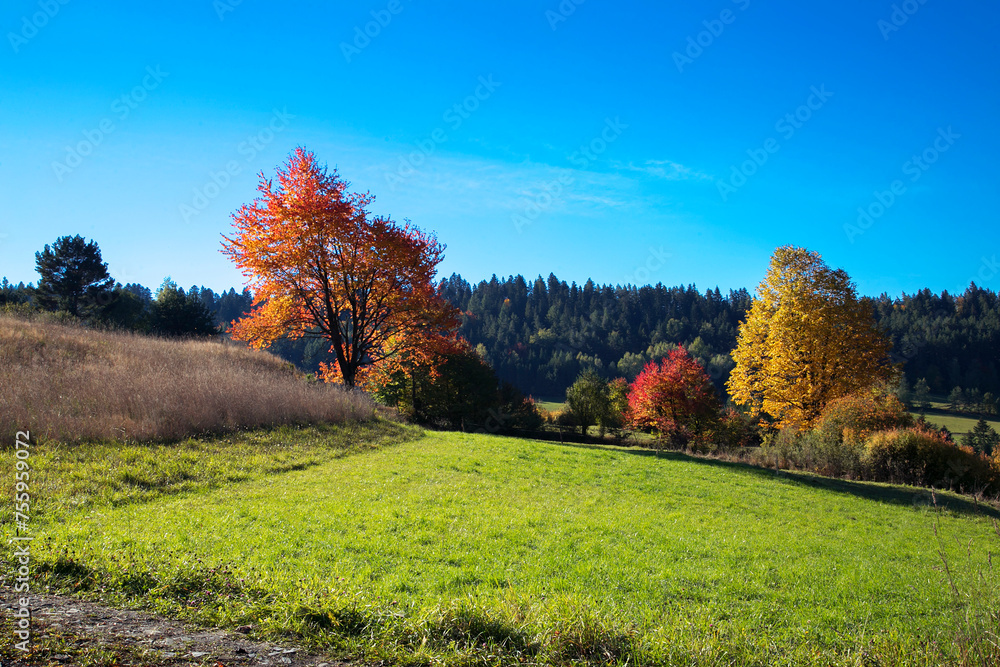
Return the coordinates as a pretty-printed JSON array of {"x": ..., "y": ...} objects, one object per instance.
[{"x": 319, "y": 264}]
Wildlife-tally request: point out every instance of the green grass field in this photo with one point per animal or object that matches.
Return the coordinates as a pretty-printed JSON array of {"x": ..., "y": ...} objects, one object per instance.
[
  {"x": 550, "y": 403},
  {"x": 959, "y": 425},
  {"x": 445, "y": 548}
]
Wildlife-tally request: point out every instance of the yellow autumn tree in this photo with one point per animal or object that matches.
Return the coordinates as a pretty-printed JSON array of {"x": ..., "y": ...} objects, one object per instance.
[{"x": 806, "y": 341}]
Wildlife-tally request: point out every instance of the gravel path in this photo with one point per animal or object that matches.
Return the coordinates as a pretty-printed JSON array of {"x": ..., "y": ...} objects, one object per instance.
[{"x": 65, "y": 628}]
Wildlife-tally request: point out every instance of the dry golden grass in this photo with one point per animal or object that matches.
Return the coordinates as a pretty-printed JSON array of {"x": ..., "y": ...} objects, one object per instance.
[{"x": 69, "y": 383}]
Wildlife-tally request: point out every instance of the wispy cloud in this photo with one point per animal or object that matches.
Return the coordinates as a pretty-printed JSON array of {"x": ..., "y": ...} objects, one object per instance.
[
  {"x": 483, "y": 184},
  {"x": 665, "y": 169}
]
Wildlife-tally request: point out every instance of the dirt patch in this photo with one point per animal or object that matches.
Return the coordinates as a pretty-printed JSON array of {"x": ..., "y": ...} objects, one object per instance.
[{"x": 67, "y": 631}]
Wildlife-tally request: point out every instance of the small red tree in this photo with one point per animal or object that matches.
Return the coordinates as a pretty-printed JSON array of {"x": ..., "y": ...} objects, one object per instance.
[{"x": 674, "y": 398}]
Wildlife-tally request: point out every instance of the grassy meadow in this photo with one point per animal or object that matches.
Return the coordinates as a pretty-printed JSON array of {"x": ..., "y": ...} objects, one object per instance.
[
  {"x": 446, "y": 548},
  {"x": 68, "y": 477},
  {"x": 152, "y": 486}
]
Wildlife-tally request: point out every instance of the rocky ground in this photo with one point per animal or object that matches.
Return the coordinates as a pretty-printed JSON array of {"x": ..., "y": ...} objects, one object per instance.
[{"x": 67, "y": 631}]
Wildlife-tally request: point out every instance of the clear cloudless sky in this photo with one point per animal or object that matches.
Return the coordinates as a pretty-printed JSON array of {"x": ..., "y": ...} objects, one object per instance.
[{"x": 604, "y": 140}]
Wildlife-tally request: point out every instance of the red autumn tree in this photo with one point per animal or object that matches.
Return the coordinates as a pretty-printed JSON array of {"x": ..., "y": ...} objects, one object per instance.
[
  {"x": 319, "y": 264},
  {"x": 674, "y": 398}
]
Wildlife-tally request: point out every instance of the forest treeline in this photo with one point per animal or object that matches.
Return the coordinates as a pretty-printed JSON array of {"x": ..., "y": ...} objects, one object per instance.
[
  {"x": 540, "y": 335},
  {"x": 170, "y": 311}
]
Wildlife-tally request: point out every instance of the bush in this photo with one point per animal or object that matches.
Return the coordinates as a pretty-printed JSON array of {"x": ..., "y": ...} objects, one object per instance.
[
  {"x": 21, "y": 310},
  {"x": 926, "y": 458},
  {"x": 736, "y": 429},
  {"x": 870, "y": 435},
  {"x": 830, "y": 453},
  {"x": 784, "y": 448},
  {"x": 836, "y": 445},
  {"x": 859, "y": 415},
  {"x": 518, "y": 411},
  {"x": 812, "y": 450},
  {"x": 449, "y": 385},
  {"x": 564, "y": 419}
]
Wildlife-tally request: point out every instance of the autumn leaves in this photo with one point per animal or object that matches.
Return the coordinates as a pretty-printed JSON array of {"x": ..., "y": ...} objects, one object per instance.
[
  {"x": 319, "y": 264},
  {"x": 806, "y": 341}
]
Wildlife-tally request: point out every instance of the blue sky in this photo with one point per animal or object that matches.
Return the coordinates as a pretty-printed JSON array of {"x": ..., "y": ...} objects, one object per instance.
[{"x": 624, "y": 142}]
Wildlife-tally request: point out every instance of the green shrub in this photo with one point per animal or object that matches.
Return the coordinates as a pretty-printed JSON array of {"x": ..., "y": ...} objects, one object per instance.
[
  {"x": 815, "y": 451},
  {"x": 25, "y": 310},
  {"x": 784, "y": 448},
  {"x": 834, "y": 453},
  {"x": 517, "y": 410}
]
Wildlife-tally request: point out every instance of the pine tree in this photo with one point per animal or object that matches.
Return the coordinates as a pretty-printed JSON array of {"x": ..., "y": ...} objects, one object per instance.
[
  {"x": 922, "y": 395},
  {"x": 73, "y": 277},
  {"x": 175, "y": 313},
  {"x": 903, "y": 392},
  {"x": 956, "y": 399},
  {"x": 983, "y": 438},
  {"x": 989, "y": 403}
]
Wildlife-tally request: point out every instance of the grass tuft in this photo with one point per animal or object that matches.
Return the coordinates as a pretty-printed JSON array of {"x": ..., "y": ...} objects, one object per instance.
[
  {"x": 467, "y": 626},
  {"x": 66, "y": 573}
]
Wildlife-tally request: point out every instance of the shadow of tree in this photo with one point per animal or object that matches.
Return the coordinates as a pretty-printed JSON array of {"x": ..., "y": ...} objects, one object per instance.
[{"x": 893, "y": 494}]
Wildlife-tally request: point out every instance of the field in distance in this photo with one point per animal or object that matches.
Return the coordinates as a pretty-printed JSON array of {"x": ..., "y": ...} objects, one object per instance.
[
  {"x": 550, "y": 403},
  {"x": 473, "y": 549},
  {"x": 959, "y": 424}
]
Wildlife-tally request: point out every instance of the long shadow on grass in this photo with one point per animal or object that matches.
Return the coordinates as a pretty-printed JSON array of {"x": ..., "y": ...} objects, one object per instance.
[{"x": 914, "y": 497}]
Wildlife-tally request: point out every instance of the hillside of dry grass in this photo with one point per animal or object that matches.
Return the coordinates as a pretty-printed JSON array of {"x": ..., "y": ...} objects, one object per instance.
[{"x": 72, "y": 384}]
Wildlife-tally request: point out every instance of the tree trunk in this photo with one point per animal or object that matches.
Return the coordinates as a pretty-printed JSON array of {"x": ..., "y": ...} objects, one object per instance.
[{"x": 413, "y": 393}]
